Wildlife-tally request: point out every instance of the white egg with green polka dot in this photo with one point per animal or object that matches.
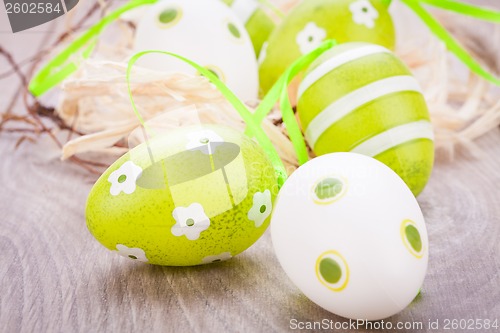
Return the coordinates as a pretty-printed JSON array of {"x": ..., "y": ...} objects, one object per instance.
[
  {"x": 351, "y": 236},
  {"x": 207, "y": 32}
]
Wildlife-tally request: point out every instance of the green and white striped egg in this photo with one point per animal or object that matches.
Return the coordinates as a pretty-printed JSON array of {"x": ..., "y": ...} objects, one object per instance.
[
  {"x": 257, "y": 23},
  {"x": 313, "y": 21},
  {"x": 197, "y": 195},
  {"x": 359, "y": 97}
]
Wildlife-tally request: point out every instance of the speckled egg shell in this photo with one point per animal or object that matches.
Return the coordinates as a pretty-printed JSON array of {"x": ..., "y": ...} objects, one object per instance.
[
  {"x": 313, "y": 21},
  {"x": 351, "y": 236},
  {"x": 360, "y": 97},
  {"x": 207, "y": 32},
  {"x": 206, "y": 197}
]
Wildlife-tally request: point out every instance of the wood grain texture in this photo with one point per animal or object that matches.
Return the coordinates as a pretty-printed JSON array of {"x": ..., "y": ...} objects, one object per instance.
[{"x": 55, "y": 277}]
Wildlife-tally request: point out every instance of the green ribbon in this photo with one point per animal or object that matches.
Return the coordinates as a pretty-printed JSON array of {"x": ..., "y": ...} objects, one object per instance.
[
  {"x": 466, "y": 9},
  {"x": 66, "y": 62},
  {"x": 451, "y": 43},
  {"x": 280, "y": 91},
  {"x": 253, "y": 121},
  {"x": 247, "y": 116}
]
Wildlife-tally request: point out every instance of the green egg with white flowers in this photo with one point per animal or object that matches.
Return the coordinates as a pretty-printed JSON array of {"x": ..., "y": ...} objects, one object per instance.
[
  {"x": 193, "y": 196},
  {"x": 360, "y": 97},
  {"x": 311, "y": 22}
]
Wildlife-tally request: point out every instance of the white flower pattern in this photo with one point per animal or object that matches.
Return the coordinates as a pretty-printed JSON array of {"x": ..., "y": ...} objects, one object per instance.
[
  {"x": 204, "y": 140},
  {"x": 220, "y": 257},
  {"x": 363, "y": 13},
  {"x": 191, "y": 221},
  {"x": 263, "y": 53},
  {"x": 261, "y": 208},
  {"x": 124, "y": 178},
  {"x": 131, "y": 252},
  {"x": 310, "y": 37}
]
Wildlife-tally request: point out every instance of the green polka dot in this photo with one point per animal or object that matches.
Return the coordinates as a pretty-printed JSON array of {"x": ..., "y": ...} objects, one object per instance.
[
  {"x": 132, "y": 257},
  {"x": 330, "y": 270},
  {"x": 233, "y": 30},
  {"x": 168, "y": 15},
  {"x": 328, "y": 188},
  {"x": 204, "y": 140},
  {"x": 263, "y": 209},
  {"x": 122, "y": 178},
  {"x": 413, "y": 237},
  {"x": 213, "y": 71},
  {"x": 189, "y": 222}
]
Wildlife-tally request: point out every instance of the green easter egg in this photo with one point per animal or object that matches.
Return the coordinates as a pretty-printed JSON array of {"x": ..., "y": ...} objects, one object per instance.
[
  {"x": 257, "y": 23},
  {"x": 313, "y": 21},
  {"x": 197, "y": 195},
  {"x": 359, "y": 97}
]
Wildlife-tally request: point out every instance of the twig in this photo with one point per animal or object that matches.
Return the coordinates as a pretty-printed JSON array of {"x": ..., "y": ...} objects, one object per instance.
[
  {"x": 73, "y": 124},
  {"x": 23, "y": 63},
  {"x": 93, "y": 163},
  {"x": 22, "y": 139},
  {"x": 18, "y": 130},
  {"x": 15, "y": 67},
  {"x": 35, "y": 109}
]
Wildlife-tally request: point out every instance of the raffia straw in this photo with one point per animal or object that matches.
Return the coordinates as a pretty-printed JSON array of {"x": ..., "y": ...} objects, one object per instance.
[
  {"x": 462, "y": 108},
  {"x": 97, "y": 94}
]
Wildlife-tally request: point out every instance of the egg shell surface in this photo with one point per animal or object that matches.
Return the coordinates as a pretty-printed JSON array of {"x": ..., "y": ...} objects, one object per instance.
[
  {"x": 311, "y": 22},
  {"x": 360, "y": 97},
  {"x": 350, "y": 235},
  {"x": 258, "y": 23},
  {"x": 207, "y": 32},
  {"x": 197, "y": 195}
]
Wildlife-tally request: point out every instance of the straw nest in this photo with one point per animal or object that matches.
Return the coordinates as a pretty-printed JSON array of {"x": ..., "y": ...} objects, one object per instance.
[{"x": 463, "y": 107}]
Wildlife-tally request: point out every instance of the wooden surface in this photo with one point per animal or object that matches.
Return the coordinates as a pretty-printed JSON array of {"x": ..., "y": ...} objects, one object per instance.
[{"x": 55, "y": 277}]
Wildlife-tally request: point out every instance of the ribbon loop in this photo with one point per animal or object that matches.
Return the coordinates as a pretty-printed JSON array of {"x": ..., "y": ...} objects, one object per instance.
[
  {"x": 252, "y": 124},
  {"x": 280, "y": 91},
  {"x": 66, "y": 62}
]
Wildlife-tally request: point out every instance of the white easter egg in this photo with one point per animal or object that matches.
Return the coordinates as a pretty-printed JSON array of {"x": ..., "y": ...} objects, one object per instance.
[
  {"x": 350, "y": 235},
  {"x": 205, "y": 31}
]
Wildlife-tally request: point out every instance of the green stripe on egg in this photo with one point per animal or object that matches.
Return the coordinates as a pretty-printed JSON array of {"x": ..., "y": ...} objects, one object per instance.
[
  {"x": 360, "y": 97},
  {"x": 412, "y": 162},
  {"x": 347, "y": 78}
]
